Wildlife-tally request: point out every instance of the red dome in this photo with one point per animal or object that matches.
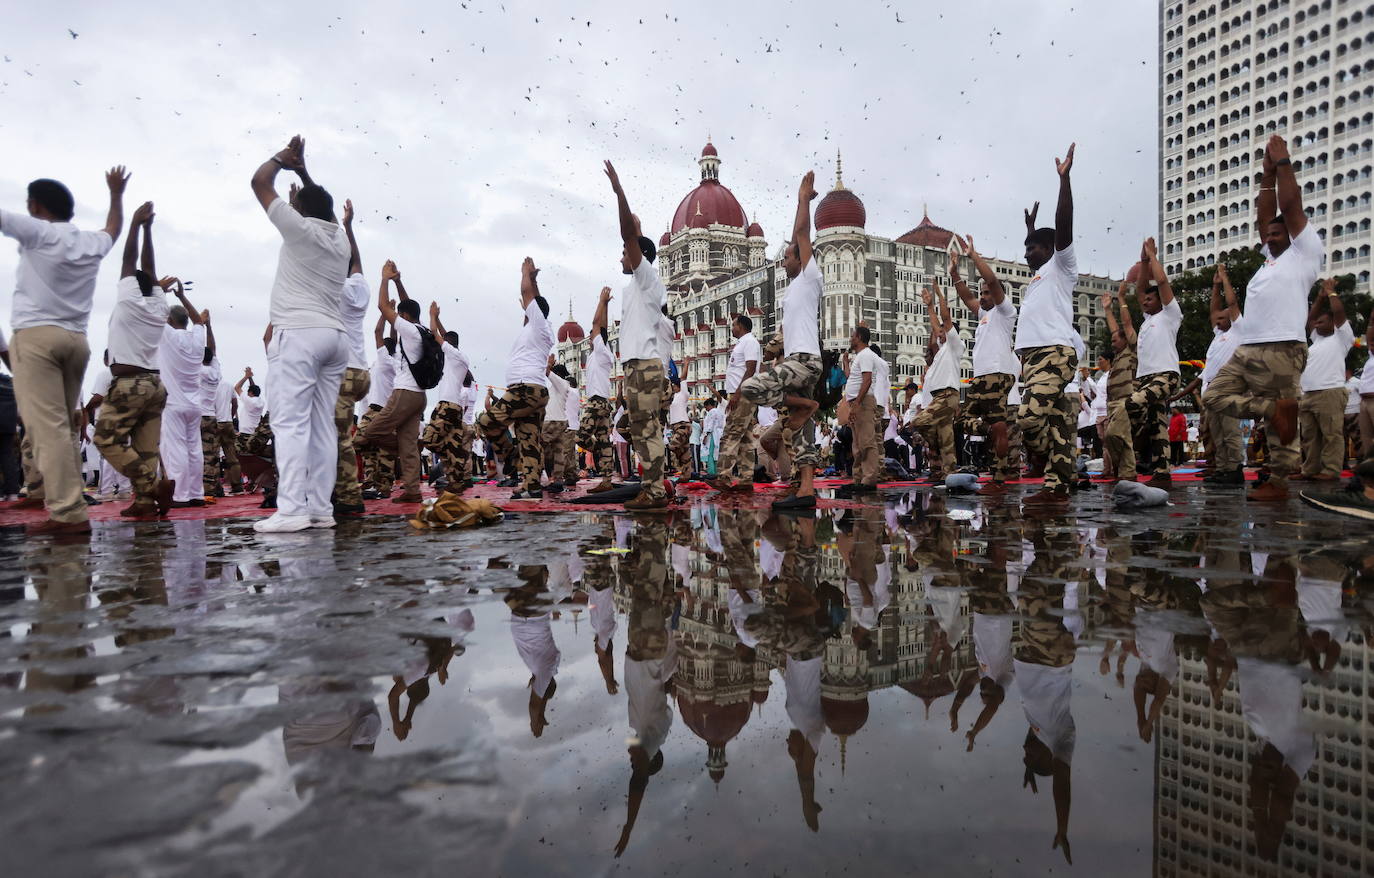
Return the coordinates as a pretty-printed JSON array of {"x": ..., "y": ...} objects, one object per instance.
[
  {"x": 708, "y": 203},
  {"x": 708, "y": 149},
  {"x": 927, "y": 234},
  {"x": 571, "y": 331},
  {"x": 1134, "y": 274},
  {"x": 840, "y": 207},
  {"x": 844, "y": 716},
  {"x": 711, "y": 722},
  {"x": 665, "y": 240},
  {"x": 755, "y": 230}
]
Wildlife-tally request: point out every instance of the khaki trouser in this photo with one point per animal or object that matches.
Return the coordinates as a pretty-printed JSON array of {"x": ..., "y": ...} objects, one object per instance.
[
  {"x": 1119, "y": 444},
  {"x": 49, "y": 365},
  {"x": 866, "y": 445},
  {"x": 396, "y": 428},
  {"x": 1148, "y": 408},
  {"x": 1228, "y": 449},
  {"x": 1248, "y": 385},
  {"x": 353, "y": 387},
  {"x": 1366, "y": 417},
  {"x": 570, "y": 459},
  {"x": 935, "y": 423},
  {"x": 734, "y": 443},
  {"x": 1321, "y": 426},
  {"x": 217, "y": 436}
]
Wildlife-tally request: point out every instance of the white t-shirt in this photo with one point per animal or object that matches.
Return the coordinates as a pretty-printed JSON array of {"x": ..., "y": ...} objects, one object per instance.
[
  {"x": 944, "y": 368},
  {"x": 1352, "y": 401},
  {"x": 556, "y": 408},
  {"x": 136, "y": 324},
  {"x": 352, "y": 311},
  {"x": 450, "y": 386},
  {"x": 650, "y": 715},
  {"x": 677, "y": 409},
  {"x": 409, "y": 349},
  {"x": 1157, "y": 341},
  {"x": 882, "y": 384},
  {"x": 310, "y": 270},
  {"x": 1276, "y": 297},
  {"x": 1046, "y": 698},
  {"x": 383, "y": 378},
  {"x": 224, "y": 402},
  {"x": 767, "y": 415},
  {"x": 992, "y": 353},
  {"x": 601, "y": 608},
  {"x": 1047, "y": 304},
  {"x": 529, "y": 355},
  {"x": 101, "y": 381},
  {"x": 469, "y": 400},
  {"x": 801, "y": 312},
  {"x": 599, "y": 366},
  {"x": 179, "y": 355},
  {"x": 573, "y": 409},
  {"x": 864, "y": 361},
  {"x": 1100, "y": 397},
  {"x": 667, "y": 334},
  {"x": 640, "y": 313},
  {"x": 992, "y": 647},
  {"x": 1367, "y": 378},
  {"x": 209, "y": 388},
  {"x": 1326, "y": 359},
  {"x": 58, "y": 262},
  {"x": 1219, "y": 352},
  {"x": 1271, "y": 702},
  {"x": 534, "y": 641},
  {"x": 250, "y": 412},
  {"x": 746, "y": 349},
  {"x": 803, "y": 704}
]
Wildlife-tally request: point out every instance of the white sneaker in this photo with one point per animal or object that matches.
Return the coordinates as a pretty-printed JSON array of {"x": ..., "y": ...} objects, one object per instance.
[
  {"x": 281, "y": 524},
  {"x": 327, "y": 521}
]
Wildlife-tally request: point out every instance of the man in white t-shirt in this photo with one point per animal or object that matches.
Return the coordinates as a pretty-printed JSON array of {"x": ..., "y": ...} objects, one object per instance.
[
  {"x": 679, "y": 430},
  {"x": 1156, "y": 371},
  {"x": 357, "y": 379},
  {"x": 130, "y": 421},
  {"x": 1366, "y": 394},
  {"x": 594, "y": 434},
  {"x": 379, "y": 464},
  {"x": 573, "y": 411},
  {"x": 186, "y": 339},
  {"x": 396, "y": 428},
  {"x": 740, "y": 413},
  {"x": 1220, "y": 432},
  {"x": 1048, "y": 344},
  {"x": 1262, "y": 378},
  {"x": 52, "y": 305},
  {"x": 520, "y": 410},
  {"x": 308, "y": 350},
  {"x": 641, "y": 353},
  {"x": 446, "y": 434},
  {"x": 862, "y": 402},
  {"x": 935, "y": 423},
  {"x": 250, "y": 407},
  {"x": 789, "y": 383},
  {"x": 1321, "y": 411},
  {"x": 994, "y": 365},
  {"x": 555, "y": 425},
  {"x": 216, "y": 400}
]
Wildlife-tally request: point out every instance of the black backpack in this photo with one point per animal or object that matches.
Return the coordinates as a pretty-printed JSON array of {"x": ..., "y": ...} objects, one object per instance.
[{"x": 430, "y": 367}]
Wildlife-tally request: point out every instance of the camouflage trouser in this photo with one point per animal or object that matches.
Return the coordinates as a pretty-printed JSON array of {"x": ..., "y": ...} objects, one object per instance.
[
  {"x": 595, "y": 434},
  {"x": 1046, "y": 422},
  {"x": 680, "y": 445},
  {"x": 379, "y": 464},
  {"x": 129, "y": 428},
  {"x": 935, "y": 423},
  {"x": 570, "y": 457},
  {"x": 795, "y": 375},
  {"x": 260, "y": 443},
  {"x": 651, "y": 600},
  {"x": 739, "y": 423},
  {"x": 551, "y": 437},
  {"x": 216, "y": 436},
  {"x": 448, "y": 439},
  {"x": 1119, "y": 444},
  {"x": 985, "y": 404},
  {"x": 1256, "y": 376},
  {"x": 643, "y": 393},
  {"x": 1148, "y": 408},
  {"x": 521, "y": 409},
  {"x": 353, "y": 387}
]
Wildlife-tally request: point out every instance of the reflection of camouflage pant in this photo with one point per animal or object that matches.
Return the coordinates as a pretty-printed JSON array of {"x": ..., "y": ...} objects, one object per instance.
[
  {"x": 379, "y": 464},
  {"x": 1046, "y": 422},
  {"x": 446, "y": 436},
  {"x": 570, "y": 456},
  {"x": 1120, "y": 448},
  {"x": 551, "y": 437},
  {"x": 1148, "y": 408},
  {"x": 216, "y": 436},
  {"x": 935, "y": 423},
  {"x": 1256, "y": 376},
  {"x": 795, "y": 375},
  {"x": 595, "y": 434},
  {"x": 739, "y": 422},
  {"x": 129, "y": 428},
  {"x": 354, "y": 387},
  {"x": 643, "y": 393},
  {"x": 680, "y": 444},
  {"x": 651, "y": 601},
  {"x": 985, "y": 404},
  {"x": 521, "y": 409}
]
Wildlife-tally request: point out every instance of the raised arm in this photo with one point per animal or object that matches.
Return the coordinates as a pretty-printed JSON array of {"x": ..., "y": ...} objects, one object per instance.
[
  {"x": 1333, "y": 298},
  {"x": 1286, "y": 182},
  {"x": 116, "y": 179},
  {"x": 599, "y": 318},
  {"x": 1166, "y": 293},
  {"x": 377, "y": 332},
  {"x": 1127, "y": 324},
  {"x": 990, "y": 278},
  {"x": 946, "y": 319},
  {"x": 1232, "y": 306},
  {"x": 434, "y": 325},
  {"x": 141, "y": 215},
  {"x": 529, "y": 281},
  {"x": 264, "y": 181},
  {"x": 961, "y": 286},
  {"x": 1108, "y": 305},
  {"x": 209, "y": 331},
  {"x": 355, "y": 259},
  {"x": 1063, "y": 212},
  {"x": 629, "y": 230},
  {"x": 801, "y": 225},
  {"x": 928, "y": 297},
  {"x": 247, "y": 376},
  {"x": 384, "y": 303}
]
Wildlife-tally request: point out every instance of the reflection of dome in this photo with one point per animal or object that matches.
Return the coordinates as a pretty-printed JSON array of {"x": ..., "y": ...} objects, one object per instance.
[
  {"x": 716, "y": 724},
  {"x": 571, "y": 332},
  {"x": 844, "y": 716},
  {"x": 840, "y": 207},
  {"x": 927, "y": 234},
  {"x": 929, "y": 691}
]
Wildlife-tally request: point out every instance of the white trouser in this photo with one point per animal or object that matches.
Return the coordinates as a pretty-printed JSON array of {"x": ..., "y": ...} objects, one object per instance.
[
  {"x": 111, "y": 482},
  {"x": 181, "y": 453},
  {"x": 306, "y": 369}
]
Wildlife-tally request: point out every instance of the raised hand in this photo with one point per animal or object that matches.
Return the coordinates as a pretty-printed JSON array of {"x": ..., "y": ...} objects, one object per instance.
[
  {"x": 605, "y": 294},
  {"x": 348, "y": 212},
  {"x": 927, "y": 296},
  {"x": 1276, "y": 150},
  {"x": 433, "y": 310},
  {"x": 1221, "y": 272},
  {"x": 1063, "y": 166},
  {"x": 205, "y": 316},
  {"x": 968, "y": 239},
  {"x": 1329, "y": 286},
  {"x": 808, "y": 186},
  {"x": 248, "y": 371},
  {"x": 953, "y": 266},
  {"x": 1106, "y": 301},
  {"x": 1149, "y": 249},
  {"x": 171, "y": 281},
  {"x": 144, "y": 214},
  {"x": 390, "y": 271},
  {"x": 117, "y": 178},
  {"x": 291, "y": 194},
  {"x": 1030, "y": 216},
  {"x": 527, "y": 267},
  {"x": 614, "y": 178},
  {"x": 292, "y": 158}
]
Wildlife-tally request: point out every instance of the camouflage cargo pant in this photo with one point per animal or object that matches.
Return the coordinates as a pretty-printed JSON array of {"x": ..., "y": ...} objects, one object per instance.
[
  {"x": 935, "y": 423},
  {"x": 353, "y": 387},
  {"x": 571, "y": 462},
  {"x": 734, "y": 443},
  {"x": 643, "y": 394},
  {"x": 551, "y": 437},
  {"x": 680, "y": 443},
  {"x": 985, "y": 404},
  {"x": 448, "y": 439},
  {"x": 1047, "y": 425},
  {"x": 1148, "y": 408},
  {"x": 595, "y": 434},
  {"x": 128, "y": 430},
  {"x": 260, "y": 443},
  {"x": 1119, "y": 444},
  {"x": 520, "y": 410},
  {"x": 379, "y": 464},
  {"x": 651, "y": 598},
  {"x": 796, "y": 375},
  {"x": 1248, "y": 385},
  {"x": 217, "y": 436}
]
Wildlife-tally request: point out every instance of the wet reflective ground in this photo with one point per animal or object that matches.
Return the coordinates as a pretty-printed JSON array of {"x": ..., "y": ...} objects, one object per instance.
[{"x": 923, "y": 685}]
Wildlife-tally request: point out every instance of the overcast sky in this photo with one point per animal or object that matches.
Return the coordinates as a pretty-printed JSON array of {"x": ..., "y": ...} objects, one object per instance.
[{"x": 470, "y": 134}]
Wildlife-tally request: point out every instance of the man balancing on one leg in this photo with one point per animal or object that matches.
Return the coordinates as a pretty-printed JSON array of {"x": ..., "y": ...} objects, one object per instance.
[
  {"x": 789, "y": 382},
  {"x": 994, "y": 364},
  {"x": 1156, "y": 364}
]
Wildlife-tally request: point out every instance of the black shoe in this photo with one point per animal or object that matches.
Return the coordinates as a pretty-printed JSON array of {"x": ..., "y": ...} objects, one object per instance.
[
  {"x": 372, "y": 494},
  {"x": 197, "y": 503},
  {"x": 536, "y": 494},
  {"x": 269, "y": 501},
  {"x": 1228, "y": 478},
  {"x": 795, "y": 503},
  {"x": 441, "y": 485},
  {"x": 511, "y": 482},
  {"x": 1342, "y": 503},
  {"x": 344, "y": 509},
  {"x": 91, "y": 501},
  {"x": 555, "y": 487}
]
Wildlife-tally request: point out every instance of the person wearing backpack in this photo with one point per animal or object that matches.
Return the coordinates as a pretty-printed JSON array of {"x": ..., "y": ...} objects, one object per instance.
[{"x": 396, "y": 427}]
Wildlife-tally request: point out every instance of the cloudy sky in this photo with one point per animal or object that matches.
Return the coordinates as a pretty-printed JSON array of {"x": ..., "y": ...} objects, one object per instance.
[{"x": 470, "y": 134}]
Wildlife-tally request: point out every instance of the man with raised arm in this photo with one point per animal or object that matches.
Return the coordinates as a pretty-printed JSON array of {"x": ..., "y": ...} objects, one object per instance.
[
  {"x": 995, "y": 366},
  {"x": 555, "y": 425},
  {"x": 396, "y": 428},
  {"x": 1048, "y": 344},
  {"x": 740, "y": 413},
  {"x": 186, "y": 339},
  {"x": 1157, "y": 363},
  {"x": 1321, "y": 411},
  {"x": 251, "y": 406},
  {"x": 1262, "y": 378},
  {"x": 790, "y": 382},
  {"x": 935, "y": 422},
  {"x": 520, "y": 410},
  {"x": 641, "y": 356},
  {"x": 1225, "y": 452},
  {"x": 130, "y": 421},
  {"x": 48, "y": 353},
  {"x": 1118, "y": 443},
  {"x": 446, "y": 421},
  {"x": 357, "y": 380},
  {"x": 379, "y": 464},
  {"x": 595, "y": 432},
  {"x": 309, "y": 348}
]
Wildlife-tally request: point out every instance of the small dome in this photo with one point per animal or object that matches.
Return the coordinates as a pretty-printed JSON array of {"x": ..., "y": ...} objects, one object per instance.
[
  {"x": 927, "y": 234},
  {"x": 708, "y": 150},
  {"x": 844, "y": 716},
  {"x": 571, "y": 332},
  {"x": 755, "y": 231},
  {"x": 840, "y": 207},
  {"x": 714, "y": 723},
  {"x": 1134, "y": 274},
  {"x": 665, "y": 240}
]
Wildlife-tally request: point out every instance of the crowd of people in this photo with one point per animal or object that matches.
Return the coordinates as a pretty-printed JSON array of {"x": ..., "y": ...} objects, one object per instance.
[{"x": 172, "y": 432}]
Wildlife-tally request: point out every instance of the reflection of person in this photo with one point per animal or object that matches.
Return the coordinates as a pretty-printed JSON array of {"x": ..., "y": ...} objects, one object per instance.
[
  {"x": 992, "y": 609},
  {"x": 599, "y": 578},
  {"x": 531, "y": 629}
]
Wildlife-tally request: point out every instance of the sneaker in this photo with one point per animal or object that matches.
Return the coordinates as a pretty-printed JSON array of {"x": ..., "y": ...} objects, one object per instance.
[
  {"x": 535, "y": 494},
  {"x": 643, "y": 501},
  {"x": 1268, "y": 492},
  {"x": 1342, "y": 503},
  {"x": 1229, "y": 478},
  {"x": 281, "y": 524},
  {"x": 327, "y": 521},
  {"x": 511, "y": 482},
  {"x": 795, "y": 503},
  {"x": 372, "y": 494}
]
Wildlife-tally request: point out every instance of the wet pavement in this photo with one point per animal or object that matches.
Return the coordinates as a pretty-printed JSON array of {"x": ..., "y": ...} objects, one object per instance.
[{"x": 920, "y": 685}]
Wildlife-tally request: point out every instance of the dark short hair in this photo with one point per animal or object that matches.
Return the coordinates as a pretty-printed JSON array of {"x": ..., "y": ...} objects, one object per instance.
[
  {"x": 409, "y": 308},
  {"x": 560, "y": 370},
  {"x": 390, "y": 345},
  {"x": 145, "y": 283},
  {"x": 1043, "y": 237},
  {"x": 315, "y": 201},
  {"x": 605, "y": 336},
  {"x": 467, "y": 380},
  {"x": 254, "y": 390},
  {"x": 543, "y": 304},
  {"x": 451, "y": 337},
  {"x": 647, "y": 247},
  {"x": 745, "y": 321},
  {"x": 208, "y": 357},
  {"x": 877, "y": 350},
  {"x": 53, "y": 197},
  {"x": 863, "y": 333}
]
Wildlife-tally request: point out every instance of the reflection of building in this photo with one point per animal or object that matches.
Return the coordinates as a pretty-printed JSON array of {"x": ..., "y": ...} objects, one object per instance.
[
  {"x": 715, "y": 267},
  {"x": 1203, "y": 823}
]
